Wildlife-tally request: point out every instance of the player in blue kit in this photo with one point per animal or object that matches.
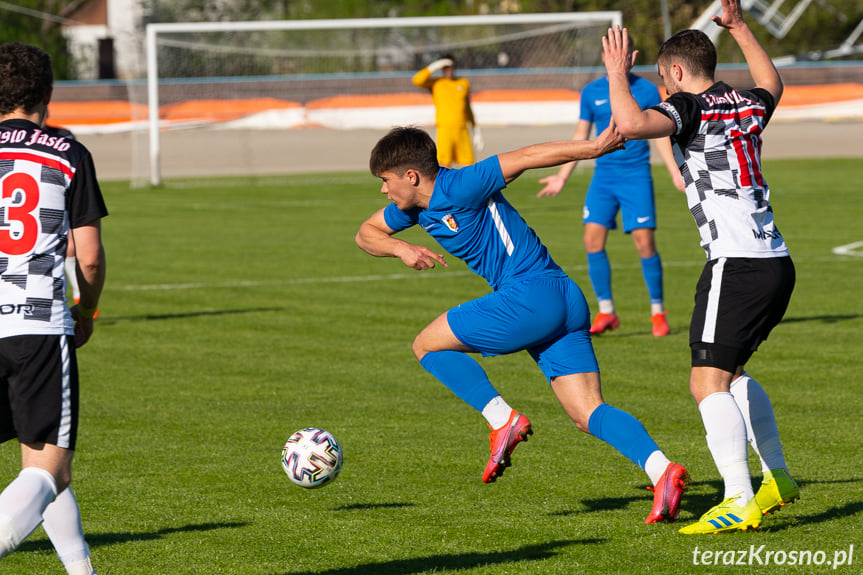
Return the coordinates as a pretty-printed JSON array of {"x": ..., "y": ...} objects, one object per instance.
[
  {"x": 534, "y": 305},
  {"x": 621, "y": 182}
]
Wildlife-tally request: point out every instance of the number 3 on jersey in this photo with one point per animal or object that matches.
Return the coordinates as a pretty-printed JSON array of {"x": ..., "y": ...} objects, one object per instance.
[{"x": 20, "y": 198}]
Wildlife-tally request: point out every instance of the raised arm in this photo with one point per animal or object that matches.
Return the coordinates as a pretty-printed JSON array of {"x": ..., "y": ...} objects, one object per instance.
[
  {"x": 761, "y": 67},
  {"x": 513, "y": 164},
  {"x": 376, "y": 238},
  {"x": 633, "y": 122}
]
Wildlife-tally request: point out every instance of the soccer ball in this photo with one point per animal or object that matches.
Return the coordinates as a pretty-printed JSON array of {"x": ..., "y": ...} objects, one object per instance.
[{"x": 312, "y": 457}]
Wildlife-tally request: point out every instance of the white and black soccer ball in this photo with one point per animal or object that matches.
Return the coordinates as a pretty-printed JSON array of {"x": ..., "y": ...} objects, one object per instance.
[{"x": 312, "y": 457}]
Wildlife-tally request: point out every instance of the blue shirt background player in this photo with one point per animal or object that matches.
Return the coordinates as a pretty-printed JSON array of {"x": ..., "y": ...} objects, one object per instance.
[
  {"x": 534, "y": 305},
  {"x": 622, "y": 182}
]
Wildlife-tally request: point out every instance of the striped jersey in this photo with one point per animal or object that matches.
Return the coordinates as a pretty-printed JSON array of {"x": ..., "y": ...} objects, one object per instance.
[
  {"x": 47, "y": 185},
  {"x": 717, "y": 144},
  {"x": 470, "y": 218}
]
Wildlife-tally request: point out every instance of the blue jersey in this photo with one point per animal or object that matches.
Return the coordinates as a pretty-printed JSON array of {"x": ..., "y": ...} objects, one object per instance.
[
  {"x": 470, "y": 219},
  {"x": 596, "y": 108}
]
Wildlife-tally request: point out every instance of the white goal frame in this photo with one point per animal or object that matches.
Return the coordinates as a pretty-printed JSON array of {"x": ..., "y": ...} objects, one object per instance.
[{"x": 154, "y": 30}]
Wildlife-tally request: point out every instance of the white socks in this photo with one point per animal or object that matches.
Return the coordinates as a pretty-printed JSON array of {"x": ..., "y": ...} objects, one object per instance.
[
  {"x": 760, "y": 422},
  {"x": 496, "y": 412},
  {"x": 22, "y": 504},
  {"x": 655, "y": 465},
  {"x": 656, "y": 308},
  {"x": 726, "y": 440},
  {"x": 62, "y": 523},
  {"x": 606, "y": 306}
]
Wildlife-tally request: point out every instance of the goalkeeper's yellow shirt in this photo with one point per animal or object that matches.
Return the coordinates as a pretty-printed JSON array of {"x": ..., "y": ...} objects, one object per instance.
[{"x": 450, "y": 98}]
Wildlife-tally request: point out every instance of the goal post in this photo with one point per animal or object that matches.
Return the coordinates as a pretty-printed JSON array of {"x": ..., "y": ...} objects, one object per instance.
[{"x": 343, "y": 55}]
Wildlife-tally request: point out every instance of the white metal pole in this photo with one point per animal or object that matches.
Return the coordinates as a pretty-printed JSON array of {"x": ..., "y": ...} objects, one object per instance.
[{"x": 153, "y": 106}]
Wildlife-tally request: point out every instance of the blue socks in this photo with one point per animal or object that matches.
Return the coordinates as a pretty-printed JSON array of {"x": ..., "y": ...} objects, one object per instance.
[
  {"x": 623, "y": 432},
  {"x": 652, "y": 269},
  {"x": 599, "y": 271},
  {"x": 462, "y": 375}
]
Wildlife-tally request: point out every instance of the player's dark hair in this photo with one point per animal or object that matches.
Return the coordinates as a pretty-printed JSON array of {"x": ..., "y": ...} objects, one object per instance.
[
  {"x": 26, "y": 77},
  {"x": 404, "y": 148},
  {"x": 449, "y": 57},
  {"x": 693, "y": 50}
]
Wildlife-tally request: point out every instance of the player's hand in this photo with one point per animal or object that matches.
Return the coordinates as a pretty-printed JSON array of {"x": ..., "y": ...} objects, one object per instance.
[
  {"x": 553, "y": 185},
  {"x": 83, "y": 327},
  {"x": 677, "y": 180},
  {"x": 616, "y": 50},
  {"x": 732, "y": 14},
  {"x": 477, "y": 140},
  {"x": 440, "y": 64},
  {"x": 610, "y": 140},
  {"x": 420, "y": 257}
]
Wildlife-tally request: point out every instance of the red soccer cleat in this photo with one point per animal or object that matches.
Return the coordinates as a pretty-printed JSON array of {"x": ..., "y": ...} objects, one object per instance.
[
  {"x": 503, "y": 442},
  {"x": 667, "y": 493},
  {"x": 604, "y": 322},
  {"x": 660, "y": 324}
]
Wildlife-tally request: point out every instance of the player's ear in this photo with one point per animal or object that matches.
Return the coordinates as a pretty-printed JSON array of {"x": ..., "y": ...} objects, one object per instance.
[{"x": 413, "y": 177}]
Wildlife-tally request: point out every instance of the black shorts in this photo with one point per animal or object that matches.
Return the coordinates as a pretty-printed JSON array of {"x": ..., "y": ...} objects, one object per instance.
[
  {"x": 39, "y": 390},
  {"x": 738, "y": 301}
]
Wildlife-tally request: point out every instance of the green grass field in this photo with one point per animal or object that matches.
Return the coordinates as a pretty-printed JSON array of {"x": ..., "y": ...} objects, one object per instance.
[{"x": 238, "y": 311}]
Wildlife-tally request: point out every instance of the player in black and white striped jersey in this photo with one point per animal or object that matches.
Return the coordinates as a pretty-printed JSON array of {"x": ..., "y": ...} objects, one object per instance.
[
  {"x": 48, "y": 193},
  {"x": 747, "y": 281}
]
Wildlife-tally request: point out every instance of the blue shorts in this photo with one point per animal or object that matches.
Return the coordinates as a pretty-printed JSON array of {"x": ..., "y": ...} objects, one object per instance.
[
  {"x": 629, "y": 191},
  {"x": 547, "y": 316}
]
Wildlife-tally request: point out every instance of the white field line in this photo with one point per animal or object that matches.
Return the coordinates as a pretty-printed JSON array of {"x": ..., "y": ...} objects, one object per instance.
[{"x": 406, "y": 276}]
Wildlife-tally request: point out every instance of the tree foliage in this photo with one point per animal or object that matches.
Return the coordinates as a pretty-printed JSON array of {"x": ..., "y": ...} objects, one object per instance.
[{"x": 36, "y": 22}]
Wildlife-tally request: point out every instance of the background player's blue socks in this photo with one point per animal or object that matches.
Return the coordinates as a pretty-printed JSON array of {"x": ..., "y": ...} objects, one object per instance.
[
  {"x": 599, "y": 271},
  {"x": 623, "y": 432},
  {"x": 652, "y": 269},
  {"x": 462, "y": 375}
]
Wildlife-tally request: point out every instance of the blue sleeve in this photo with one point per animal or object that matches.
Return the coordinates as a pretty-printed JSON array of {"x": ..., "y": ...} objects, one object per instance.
[
  {"x": 398, "y": 220},
  {"x": 585, "y": 111},
  {"x": 472, "y": 186},
  {"x": 648, "y": 95}
]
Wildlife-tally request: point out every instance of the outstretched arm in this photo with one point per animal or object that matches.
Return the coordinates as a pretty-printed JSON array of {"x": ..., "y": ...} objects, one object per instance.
[
  {"x": 760, "y": 65},
  {"x": 633, "y": 122},
  {"x": 554, "y": 183},
  {"x": 513, "y": 164},
  {"x": 376, "y": 238}
]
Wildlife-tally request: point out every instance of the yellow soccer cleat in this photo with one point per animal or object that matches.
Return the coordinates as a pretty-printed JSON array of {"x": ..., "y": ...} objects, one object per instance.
[
  {"x": 727, "y": 516},
  {"x": 777, "y": 489}
]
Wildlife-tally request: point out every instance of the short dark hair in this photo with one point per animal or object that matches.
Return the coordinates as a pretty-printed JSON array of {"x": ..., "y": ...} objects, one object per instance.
[
  {"x": 693, "y": 49},
  {"x": 404, "y": 148},
  {"x": 26, "y": 77},
  {"x": 449, "y": 56}
]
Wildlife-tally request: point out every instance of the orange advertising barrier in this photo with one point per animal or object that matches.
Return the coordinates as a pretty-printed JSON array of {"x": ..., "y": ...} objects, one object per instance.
[{"x": 215, "y": 111}]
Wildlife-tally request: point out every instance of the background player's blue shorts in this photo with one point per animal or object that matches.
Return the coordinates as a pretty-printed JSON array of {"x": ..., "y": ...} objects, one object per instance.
[
  {"x": 547, "y": 316},
  {"x": 628, "y": 190}
]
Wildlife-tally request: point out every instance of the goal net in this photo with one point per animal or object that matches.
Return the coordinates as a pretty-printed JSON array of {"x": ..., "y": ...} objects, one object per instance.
[{"x": 239, "y": 96}]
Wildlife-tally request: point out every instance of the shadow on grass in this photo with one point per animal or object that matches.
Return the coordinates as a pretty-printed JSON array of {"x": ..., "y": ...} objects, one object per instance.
[
  {"x": 111, "y": 320},
  {"x": 821, "y": 318},
  {"x": 710, "y": 493},
  {"x": 368, "y": 506},
  {"x": 100, "y": 539},
  {"x": 455, "y": 562}
]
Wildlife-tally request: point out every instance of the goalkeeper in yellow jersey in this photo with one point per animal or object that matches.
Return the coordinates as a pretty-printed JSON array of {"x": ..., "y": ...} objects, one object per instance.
[{"x": 457, "y": 132}]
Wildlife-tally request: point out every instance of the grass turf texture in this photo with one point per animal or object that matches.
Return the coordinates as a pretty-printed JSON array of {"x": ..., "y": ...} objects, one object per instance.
[{"x": 237, "y": 312}]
